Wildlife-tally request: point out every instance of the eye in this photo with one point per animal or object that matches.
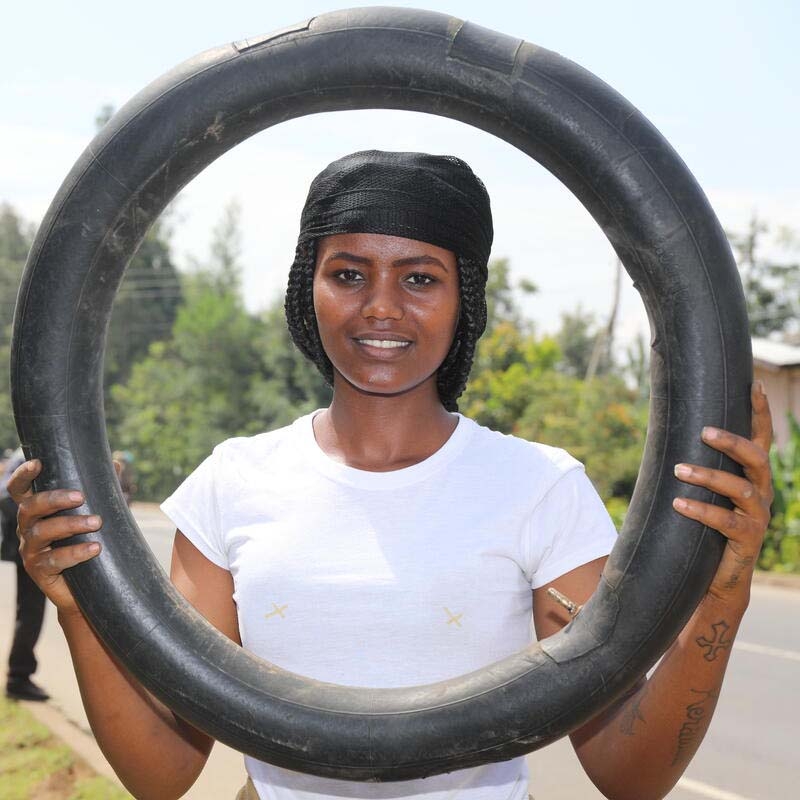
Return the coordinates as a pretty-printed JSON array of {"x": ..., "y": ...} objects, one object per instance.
[
  {"x": 421, "y": 279},
  {"x": 347, "y": 275}
]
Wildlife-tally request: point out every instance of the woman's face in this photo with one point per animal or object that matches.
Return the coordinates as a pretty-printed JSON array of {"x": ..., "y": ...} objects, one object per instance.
[{"x": 386, "y": 308}]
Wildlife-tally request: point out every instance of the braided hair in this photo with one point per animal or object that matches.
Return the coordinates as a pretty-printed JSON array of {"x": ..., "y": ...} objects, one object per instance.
[
  {"x": 454, "y": 371},
  {"x": 429, "y": 198}
]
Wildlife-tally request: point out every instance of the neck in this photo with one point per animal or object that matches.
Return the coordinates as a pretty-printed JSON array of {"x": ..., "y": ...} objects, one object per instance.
[{"x": 380, "y": 433}]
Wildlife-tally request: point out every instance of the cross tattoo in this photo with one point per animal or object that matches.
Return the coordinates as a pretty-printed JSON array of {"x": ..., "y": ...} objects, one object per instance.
[{"x": 717, "y": 643}]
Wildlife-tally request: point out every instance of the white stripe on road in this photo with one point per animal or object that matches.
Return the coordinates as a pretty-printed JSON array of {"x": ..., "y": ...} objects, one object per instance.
[
  {"x": 763, "y": 650},
  {"x": 706, "y": 790}
]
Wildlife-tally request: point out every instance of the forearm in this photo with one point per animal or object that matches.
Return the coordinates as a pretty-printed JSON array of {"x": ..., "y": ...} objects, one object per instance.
[
  {"x": 155, "y": 754},
  {"x": 641, "y": 747}
]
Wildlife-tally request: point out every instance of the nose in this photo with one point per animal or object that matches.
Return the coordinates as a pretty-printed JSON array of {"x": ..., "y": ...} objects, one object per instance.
[{"x": 383, "y": 299}]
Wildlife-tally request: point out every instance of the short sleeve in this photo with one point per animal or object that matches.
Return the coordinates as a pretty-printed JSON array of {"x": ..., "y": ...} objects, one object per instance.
[
  {"x": 568, "y": 528},
  {"x": 194, "y": 509}
]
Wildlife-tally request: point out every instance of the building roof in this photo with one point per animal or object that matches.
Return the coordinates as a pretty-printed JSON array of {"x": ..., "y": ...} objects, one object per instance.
[{"x": 775, "y": 354}]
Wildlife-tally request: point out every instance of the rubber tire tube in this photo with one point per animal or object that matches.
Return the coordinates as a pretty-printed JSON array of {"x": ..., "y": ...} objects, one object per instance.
[{"x": 658, "y": 221}]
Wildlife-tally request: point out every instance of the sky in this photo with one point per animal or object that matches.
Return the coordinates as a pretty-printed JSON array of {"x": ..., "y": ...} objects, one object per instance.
[{"x": 718, "y": 79}]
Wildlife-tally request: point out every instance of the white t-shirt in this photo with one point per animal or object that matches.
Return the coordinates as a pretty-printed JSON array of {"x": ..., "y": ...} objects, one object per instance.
[{"x": 390, "y": 578}]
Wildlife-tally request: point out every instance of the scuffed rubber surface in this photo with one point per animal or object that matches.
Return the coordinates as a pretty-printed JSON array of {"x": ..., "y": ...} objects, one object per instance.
[{"x": 639, "y": 192}]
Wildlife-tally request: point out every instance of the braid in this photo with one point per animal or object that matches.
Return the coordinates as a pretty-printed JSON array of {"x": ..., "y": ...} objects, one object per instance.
[
  {"x": 299, "y": 308},
  {"x": 452, "y": 374}
]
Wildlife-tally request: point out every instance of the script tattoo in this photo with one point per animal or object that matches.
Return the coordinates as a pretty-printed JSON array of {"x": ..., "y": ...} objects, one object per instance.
[
  {"x": 717, "y": 642},
  {"x": 631, "y": 715},
  {"x": 695, "y": 717},
  {"x": 741, "y": 565}
]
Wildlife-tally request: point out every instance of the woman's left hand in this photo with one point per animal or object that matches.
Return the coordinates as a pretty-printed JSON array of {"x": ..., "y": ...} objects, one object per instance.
[{"x": 745, "y": 525}]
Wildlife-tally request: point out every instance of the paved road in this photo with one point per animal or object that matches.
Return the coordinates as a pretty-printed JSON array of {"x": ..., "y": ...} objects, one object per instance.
[{"x": 750, "y": 753}]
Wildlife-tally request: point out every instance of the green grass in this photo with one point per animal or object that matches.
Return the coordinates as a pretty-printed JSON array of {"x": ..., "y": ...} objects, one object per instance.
[{"x": 31, "y": 758}]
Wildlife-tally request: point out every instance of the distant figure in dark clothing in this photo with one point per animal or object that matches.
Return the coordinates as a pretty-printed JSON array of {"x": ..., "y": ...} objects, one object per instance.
[
  {"x": 123, "y": 463},
  {"x": 30, "y": 599}
]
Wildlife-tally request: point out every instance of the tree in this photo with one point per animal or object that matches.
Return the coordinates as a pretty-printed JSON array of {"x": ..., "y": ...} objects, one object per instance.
[
  {"x": 501, "y": 302},
  {"x": 145, "y": 306},
  {"x": 527, "y": 385},
  {"x": 582, "y": 345},
  {"x": 519, "y": 390},
  {"x": 509, "y": 366},
  {"x": 771, "y": 287},
  {"x": 287, "y": 384},
  {"x": 189, "y": 393},
  {"x": 147, "y": 301},
  {"x": 16, "y": 237},
  {"x": 224, "y": 372}
]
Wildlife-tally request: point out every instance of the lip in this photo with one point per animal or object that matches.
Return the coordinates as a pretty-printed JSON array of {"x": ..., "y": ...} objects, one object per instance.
[
  {"x": 382, "y": 353},
  {"x": 381, "y": 337}
]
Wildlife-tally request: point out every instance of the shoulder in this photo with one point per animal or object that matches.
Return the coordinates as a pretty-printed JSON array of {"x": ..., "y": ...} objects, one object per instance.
[
  {"x": 519, "y": 461},
  {"x": 273, "y": 449}
]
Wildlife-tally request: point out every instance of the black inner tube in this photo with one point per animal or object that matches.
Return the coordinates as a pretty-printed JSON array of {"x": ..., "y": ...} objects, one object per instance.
[{"x": 650, "y": 208}]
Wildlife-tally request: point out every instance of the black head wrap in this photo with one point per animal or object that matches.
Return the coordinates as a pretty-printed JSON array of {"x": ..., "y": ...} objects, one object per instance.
[{"x": 433, "y": 199}]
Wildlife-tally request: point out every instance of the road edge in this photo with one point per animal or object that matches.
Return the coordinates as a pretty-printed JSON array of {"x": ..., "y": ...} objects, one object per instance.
[
  {"x": 81, "y": 743},
  {"x": 786, "y": 580}
]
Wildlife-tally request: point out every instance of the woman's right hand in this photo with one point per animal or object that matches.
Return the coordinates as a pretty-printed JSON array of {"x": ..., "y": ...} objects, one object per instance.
[{"x": 37, "y": 529}]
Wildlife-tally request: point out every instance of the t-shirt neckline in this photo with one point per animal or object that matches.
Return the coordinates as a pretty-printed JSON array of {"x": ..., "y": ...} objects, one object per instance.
[{"x": 365, "y": 479}]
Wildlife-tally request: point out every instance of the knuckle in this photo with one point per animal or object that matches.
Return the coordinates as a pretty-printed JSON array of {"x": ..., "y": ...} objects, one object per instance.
[
  {"x": 733, "y": 521},
  {"x": 762, "y": 459}
]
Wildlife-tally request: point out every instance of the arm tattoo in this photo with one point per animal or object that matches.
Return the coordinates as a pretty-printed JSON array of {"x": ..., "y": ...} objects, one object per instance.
[
  {"x": 741, "y": 565},
  {"x": 693, "y": 726},
  {"x": 712, "y": 645},
  {"x": 631, "y": 714}
]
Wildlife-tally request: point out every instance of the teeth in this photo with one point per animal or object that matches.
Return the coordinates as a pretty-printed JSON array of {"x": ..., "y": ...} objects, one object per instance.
[{"x": 385, "y": 343}]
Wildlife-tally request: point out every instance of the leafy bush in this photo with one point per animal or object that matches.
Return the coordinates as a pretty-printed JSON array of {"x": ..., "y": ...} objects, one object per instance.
[{"x": 781, "y": 550}]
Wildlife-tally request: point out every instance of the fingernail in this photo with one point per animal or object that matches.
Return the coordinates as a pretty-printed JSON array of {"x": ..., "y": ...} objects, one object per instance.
[
  {"x": 710, "y": 433},
  {"x": 93, "y": 548},
  {"x": 93, "y": 522},
  {"x": 759, "y": 385},
  {"x": 75, "y": 497},
  {"x": 680, "y": 504},
  {"x": 682, "y": 470}
]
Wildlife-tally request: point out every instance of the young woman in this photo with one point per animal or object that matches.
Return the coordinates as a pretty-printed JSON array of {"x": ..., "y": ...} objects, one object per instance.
[{"x": 387, "y": 540}]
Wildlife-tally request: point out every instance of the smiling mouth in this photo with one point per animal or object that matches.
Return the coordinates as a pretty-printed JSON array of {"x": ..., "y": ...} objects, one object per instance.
[{"x": 386, "y": 344}]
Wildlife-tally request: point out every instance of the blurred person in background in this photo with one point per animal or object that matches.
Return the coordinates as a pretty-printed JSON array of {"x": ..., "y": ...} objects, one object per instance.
[{"x": 30, "y": 598}]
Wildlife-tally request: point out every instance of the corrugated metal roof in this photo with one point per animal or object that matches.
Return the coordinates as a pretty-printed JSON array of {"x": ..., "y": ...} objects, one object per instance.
[{"x": 777, "y": 354}]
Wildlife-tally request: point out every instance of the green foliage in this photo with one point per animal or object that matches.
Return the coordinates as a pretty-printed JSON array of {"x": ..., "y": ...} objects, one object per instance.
[
  {"x": 286, "y": 384},
  {"x": 771, "y": 285},
  {"x": 16, "y": 237},
  {"x": 97, "y": 788},
  {"x": 781, "y": 548},
  {"x": 578, "y": 338},
  {"x": 189, "y": 393},
  {"x": 526, "y": 385},
  {"x": 28, "y": 754},
  {"x": 224, "y": 372},
  {"x": 617, "y": 508},
  {"x": 517, "y": 389},
  {"x": 35, "y": 764},
  {"x": 145, "y": 306},
  {"x": 501, "y": 301}
]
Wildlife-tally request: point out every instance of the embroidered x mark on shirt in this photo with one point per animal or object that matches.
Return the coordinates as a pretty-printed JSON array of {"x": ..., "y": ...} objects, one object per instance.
[
  {"x": 276, "y": 610},
  {"x": 453, "y": 619}
]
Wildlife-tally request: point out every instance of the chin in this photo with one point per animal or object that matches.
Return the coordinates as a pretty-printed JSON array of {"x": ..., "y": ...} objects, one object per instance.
[{"x": 381, "y": 385}]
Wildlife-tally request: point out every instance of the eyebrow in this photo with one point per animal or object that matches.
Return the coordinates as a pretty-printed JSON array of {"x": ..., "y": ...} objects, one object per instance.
[{"x": 411, "y": 261}]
